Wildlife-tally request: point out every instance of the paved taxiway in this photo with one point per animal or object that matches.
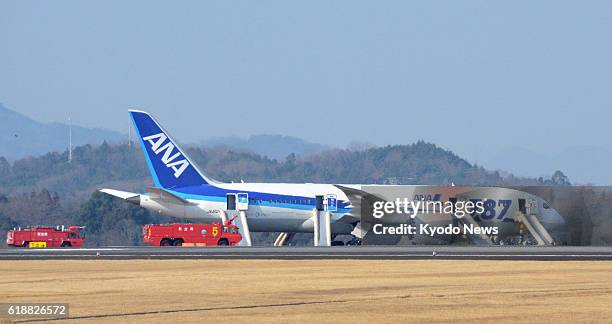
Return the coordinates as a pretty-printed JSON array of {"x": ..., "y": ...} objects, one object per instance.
[{"x": 288, "y": 253}]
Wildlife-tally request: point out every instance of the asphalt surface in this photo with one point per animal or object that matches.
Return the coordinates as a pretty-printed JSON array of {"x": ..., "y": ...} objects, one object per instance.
[{"x": 303, "y": 253}]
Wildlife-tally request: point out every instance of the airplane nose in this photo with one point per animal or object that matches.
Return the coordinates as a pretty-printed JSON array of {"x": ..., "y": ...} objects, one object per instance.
[{"x": 552, "y": 220}]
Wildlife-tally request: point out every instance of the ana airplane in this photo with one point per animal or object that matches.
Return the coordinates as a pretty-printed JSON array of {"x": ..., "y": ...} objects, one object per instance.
[{"x": 182, "y": 190}]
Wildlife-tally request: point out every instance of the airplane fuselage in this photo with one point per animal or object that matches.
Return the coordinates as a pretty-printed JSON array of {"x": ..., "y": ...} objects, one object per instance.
[{"x": 273, "y": 207}]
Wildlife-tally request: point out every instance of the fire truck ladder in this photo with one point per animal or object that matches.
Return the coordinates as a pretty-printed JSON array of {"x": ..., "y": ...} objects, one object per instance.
[{"x": 223, "y": 216}]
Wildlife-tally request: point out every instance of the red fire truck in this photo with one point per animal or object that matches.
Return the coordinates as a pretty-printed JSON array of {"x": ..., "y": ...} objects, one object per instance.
[
  {"x": 191, "y": 234},
  {"x": 44, "y": 237}
]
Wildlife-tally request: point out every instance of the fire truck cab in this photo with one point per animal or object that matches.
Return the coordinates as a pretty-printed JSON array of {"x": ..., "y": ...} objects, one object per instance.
[{"x": 44, "y": 237}]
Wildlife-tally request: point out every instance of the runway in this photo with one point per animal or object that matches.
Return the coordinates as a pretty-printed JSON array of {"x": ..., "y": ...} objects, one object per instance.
[{"x": 315, "y": 253}]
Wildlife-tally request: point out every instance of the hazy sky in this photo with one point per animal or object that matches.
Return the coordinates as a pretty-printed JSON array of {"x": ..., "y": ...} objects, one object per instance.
[{"x": 467, "y": 75}]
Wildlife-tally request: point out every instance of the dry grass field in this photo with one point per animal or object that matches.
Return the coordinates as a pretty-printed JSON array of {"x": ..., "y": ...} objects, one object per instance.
[{"x": 210, "y": 291}]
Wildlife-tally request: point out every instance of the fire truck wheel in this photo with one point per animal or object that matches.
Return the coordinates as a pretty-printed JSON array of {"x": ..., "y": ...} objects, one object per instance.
[
  {"x": 223, "y": 242},
  {"x": 178, "y": 242},
  {"x": 66, "y": 244},
  {"x": 25, "y": 244},
  {"x": 165, "y": 242}
]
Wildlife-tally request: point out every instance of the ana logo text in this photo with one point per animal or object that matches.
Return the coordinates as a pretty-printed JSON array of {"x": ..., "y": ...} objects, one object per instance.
[{"x": 157, "y": 145}]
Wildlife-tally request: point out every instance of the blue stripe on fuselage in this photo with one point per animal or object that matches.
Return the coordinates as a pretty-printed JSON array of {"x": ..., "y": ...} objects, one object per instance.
[{"x": 216, "y": 194}]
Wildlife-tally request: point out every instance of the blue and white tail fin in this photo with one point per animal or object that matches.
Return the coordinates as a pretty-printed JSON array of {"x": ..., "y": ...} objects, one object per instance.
[{"x": 169, "y": 165}]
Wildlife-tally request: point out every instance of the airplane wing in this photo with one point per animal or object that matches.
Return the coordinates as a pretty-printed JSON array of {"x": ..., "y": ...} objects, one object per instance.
[
  {"x": 167, "y": 196},
  {"x": 125, "y": 195},
  {"x": 357, "y": 196},
  {"x": 154, "y": 194}
]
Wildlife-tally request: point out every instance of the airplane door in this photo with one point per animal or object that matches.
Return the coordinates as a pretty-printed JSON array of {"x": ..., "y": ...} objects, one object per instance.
[
  {"x": 319, "y": 200},
  {"x": 243, "y": 201},
  {"x": 331, "y": 203},
  {"x": 231, "y": 202},
  {"x": 532, "y": 206},
  {"x": 522, "y": 205}
]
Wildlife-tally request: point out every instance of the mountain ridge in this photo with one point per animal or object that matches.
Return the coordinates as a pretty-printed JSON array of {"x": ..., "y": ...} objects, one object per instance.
[
  {"x": 22, "y": 136},
  {"x": 274, "y": 146}
]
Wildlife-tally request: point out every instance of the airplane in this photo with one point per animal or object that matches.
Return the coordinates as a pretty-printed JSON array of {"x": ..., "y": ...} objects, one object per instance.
[{"x": 182, "y": 190}]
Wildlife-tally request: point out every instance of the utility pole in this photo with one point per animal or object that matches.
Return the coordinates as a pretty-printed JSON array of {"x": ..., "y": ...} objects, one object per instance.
[
  {"x": 130, "y": 134},
  {"x": 69, "y": 141}
]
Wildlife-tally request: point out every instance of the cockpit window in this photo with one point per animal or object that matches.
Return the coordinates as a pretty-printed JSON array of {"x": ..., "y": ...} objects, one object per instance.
[{"x": 546, "y": 206}]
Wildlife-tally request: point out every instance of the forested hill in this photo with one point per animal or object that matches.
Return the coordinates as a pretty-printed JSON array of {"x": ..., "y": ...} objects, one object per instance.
[
  {"x": 49, "y": 190},
  {"x": 123, "y": 166}
]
